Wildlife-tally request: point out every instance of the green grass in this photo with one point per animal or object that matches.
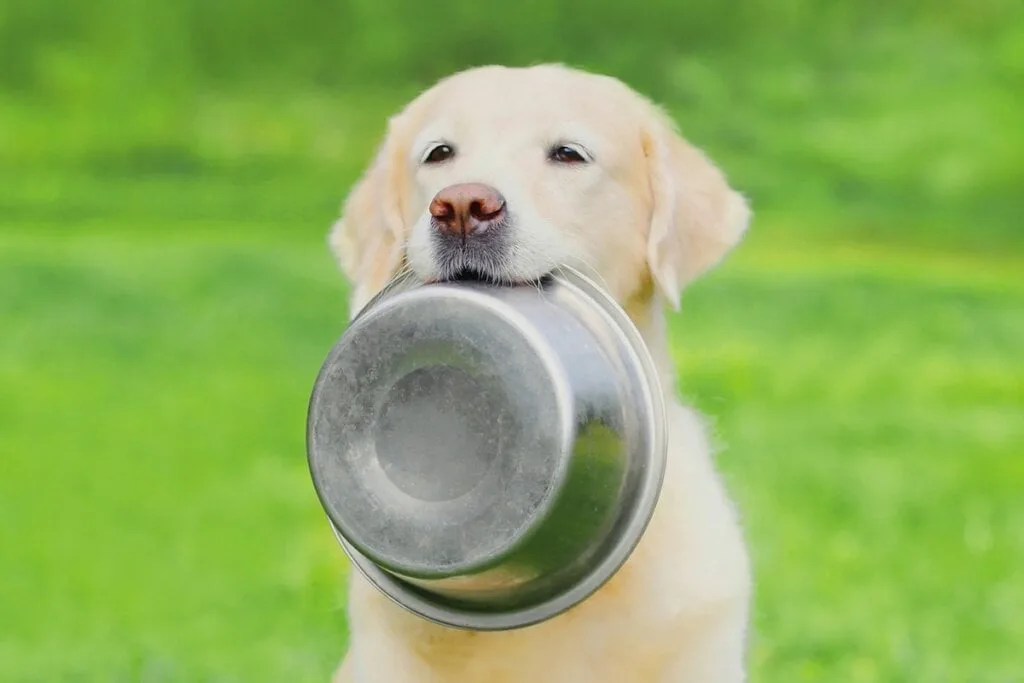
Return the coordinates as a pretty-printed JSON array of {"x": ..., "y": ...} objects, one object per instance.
[
  {"x": 157, "y": 518},
  {"x": 157, "y": 522}
]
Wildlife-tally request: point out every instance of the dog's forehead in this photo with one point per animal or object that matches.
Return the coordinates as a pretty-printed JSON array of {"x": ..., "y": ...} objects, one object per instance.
[{"x": 524, "y": 105}]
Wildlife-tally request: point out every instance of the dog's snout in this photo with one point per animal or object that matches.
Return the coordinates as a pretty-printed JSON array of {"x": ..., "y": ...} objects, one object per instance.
[{"x": 464, "y": 209}]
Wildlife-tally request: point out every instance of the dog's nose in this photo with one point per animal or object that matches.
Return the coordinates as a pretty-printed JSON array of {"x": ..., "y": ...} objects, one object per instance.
[{"x": 464, "y": 209}]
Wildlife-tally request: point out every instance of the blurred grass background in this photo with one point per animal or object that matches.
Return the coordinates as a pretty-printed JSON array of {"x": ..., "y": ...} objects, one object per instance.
[{"x": 168, "y": 171}]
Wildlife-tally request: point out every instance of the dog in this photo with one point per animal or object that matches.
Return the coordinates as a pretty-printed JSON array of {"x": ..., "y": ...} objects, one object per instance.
[{"x": 506, "y": 174}]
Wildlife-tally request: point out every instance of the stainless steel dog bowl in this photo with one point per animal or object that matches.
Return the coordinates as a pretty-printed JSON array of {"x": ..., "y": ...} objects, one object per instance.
[{"x": 488, "y": 456}]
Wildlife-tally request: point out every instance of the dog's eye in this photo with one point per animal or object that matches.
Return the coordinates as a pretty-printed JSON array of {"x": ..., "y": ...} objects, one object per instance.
[
  {"x": 567, "y": 154},
  {"x": 439, "y": 153}
]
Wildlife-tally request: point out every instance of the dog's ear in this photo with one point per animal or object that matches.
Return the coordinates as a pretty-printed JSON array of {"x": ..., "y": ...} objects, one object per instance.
[
  {"x": 369, "y": 238},
  {"x": 696, "y": 216}
]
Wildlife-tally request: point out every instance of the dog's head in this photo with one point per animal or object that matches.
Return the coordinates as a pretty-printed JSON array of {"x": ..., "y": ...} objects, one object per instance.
[{"x": 507, "y": 173}]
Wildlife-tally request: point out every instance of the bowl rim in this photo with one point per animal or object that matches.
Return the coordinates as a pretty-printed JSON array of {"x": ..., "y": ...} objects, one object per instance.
[{"x": 442, "y": 612}]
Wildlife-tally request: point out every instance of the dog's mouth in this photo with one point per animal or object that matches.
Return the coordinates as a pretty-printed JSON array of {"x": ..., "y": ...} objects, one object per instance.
[
  {"x": 473, "y": 275},
  {"x": 476, "y": 275}
]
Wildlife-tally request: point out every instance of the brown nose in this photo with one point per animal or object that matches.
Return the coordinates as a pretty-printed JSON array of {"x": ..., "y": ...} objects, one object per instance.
[{"x": 464, "y": 209}]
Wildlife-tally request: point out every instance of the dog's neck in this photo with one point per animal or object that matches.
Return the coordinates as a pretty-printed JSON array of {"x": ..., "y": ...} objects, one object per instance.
[{"x": 646, "y": 311}]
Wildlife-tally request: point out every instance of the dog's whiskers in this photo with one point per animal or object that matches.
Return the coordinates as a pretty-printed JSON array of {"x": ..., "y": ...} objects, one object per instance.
[{"x": 591, "y": 271}]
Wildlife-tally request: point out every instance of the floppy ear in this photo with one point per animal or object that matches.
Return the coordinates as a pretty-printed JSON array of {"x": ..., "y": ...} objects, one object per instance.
[
  {"x": 369, "y": 238},
  {"x": 696, "y": 217}
]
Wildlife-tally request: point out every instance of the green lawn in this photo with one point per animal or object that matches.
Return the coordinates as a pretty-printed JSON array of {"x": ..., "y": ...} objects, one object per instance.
[{"x": 157, "y": 522}]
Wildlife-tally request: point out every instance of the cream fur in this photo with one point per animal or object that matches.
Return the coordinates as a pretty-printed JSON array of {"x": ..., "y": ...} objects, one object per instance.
[{"x": 647, "y": 217}]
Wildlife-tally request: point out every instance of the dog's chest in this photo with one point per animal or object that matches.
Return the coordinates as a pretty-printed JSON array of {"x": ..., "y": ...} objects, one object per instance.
[
  {"x": 612, "y": 652},
  {"x": 623, "y": 633}
]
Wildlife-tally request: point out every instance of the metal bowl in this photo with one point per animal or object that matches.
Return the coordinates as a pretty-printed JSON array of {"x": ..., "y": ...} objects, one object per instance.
[{"x": 488, "y": 456}]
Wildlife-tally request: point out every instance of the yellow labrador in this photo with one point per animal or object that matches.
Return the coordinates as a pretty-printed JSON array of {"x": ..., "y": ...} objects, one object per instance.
[{"x": 506, "y": 173}]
